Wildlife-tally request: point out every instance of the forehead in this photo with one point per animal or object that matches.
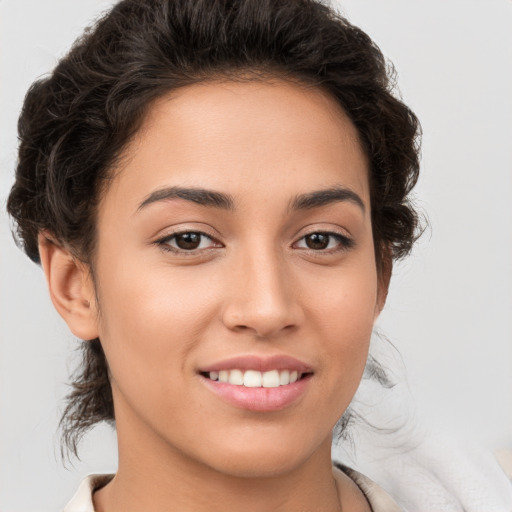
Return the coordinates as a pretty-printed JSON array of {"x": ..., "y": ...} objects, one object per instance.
[{"x": 243, "y": 138}]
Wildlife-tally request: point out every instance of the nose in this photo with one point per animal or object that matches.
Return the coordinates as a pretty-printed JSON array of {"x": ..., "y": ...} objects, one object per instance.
[{"x": 262, "y": 298}]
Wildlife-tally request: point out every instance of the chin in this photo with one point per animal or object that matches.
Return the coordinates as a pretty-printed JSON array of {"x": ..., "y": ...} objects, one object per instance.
[
  {"x": 264, "y": 459},
  {"x": 258, "y": 466}
]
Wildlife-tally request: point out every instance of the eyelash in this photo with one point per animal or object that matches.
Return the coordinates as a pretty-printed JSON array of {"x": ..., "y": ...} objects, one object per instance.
[
  {"x": 343, "y": 243},
  {"x": 164, "y": 243}
]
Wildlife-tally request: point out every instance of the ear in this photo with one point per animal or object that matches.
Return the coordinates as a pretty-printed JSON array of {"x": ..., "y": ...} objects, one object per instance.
[
  {"x": 384, "y": 276},
  {"x": 71, "y": 288}
]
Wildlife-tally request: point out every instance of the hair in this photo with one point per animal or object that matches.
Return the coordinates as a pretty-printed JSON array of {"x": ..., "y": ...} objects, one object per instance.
[{"x": 76, "y": 122}]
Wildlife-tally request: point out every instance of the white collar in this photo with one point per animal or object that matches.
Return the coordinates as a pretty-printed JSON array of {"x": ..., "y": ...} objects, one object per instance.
[{"x": 82, "y": 500}]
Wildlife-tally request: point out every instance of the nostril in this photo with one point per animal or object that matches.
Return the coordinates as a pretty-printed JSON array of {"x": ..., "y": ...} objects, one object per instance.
[{"x": 261, "y": 318}]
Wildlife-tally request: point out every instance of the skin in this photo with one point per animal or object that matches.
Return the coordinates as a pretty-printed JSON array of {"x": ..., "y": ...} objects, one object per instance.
[{"x": 253, "y": 288}]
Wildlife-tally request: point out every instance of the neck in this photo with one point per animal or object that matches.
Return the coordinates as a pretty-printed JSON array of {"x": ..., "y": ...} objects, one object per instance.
[{"x": 153, "y": 476}]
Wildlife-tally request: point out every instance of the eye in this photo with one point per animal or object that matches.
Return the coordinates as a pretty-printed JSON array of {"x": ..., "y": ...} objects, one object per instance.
[
  {"x": 323, "y": 241},
  {"x": 188, "y": 241}
]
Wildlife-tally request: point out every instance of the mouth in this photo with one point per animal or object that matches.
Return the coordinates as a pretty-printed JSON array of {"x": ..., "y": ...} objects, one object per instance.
[
  {"x": 258, "y": 384},
  {"x": 256, "y": 379}
]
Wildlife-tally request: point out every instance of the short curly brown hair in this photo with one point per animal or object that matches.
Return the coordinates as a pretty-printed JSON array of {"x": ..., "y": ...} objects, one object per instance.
[{"x": 76, "y": 122}]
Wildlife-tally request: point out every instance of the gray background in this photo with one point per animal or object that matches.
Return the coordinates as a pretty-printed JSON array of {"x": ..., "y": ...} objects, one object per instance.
[{"x": 450, "y": 306}]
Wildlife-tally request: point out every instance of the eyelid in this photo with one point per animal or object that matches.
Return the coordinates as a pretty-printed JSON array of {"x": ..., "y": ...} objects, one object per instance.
[
  {"x": 344, "y": 242},
  {"x": 163, "y": 242},
  {"x": 186, "y": 226}
]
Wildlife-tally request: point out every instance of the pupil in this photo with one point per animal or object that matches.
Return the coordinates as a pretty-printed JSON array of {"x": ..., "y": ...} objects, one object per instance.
[
  {"x": 188, "y": 240},
  {"x": 317, "y": 241}
]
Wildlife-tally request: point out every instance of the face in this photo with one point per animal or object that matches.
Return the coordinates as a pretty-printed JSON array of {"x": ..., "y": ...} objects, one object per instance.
[{"x": 235, "y": 275}]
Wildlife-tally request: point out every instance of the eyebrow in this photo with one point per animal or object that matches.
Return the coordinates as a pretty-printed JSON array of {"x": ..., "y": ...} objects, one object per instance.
[
  {"x": 324, "y": 197},
  {"x": 196, "y": 195},
  {"x": 211, "y": 198}
]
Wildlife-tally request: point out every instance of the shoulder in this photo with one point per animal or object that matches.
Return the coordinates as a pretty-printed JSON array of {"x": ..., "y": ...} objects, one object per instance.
[
  {"x": 378, "y": 498},
  {"x": 82, "y": 500}
]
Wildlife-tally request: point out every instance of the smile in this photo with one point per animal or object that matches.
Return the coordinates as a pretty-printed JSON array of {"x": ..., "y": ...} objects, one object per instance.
[
  {"x": 259, "y": 384},
  {"x": 256, "y": 379}
]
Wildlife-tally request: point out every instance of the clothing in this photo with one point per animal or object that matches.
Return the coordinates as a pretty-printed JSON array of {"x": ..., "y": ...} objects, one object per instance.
[{"x": 379, "y": 499}]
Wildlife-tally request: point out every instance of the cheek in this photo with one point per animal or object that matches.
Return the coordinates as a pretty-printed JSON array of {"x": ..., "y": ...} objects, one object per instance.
[
  {"x": 344, "y": 300},
  {"x": 151, "y": 318},
  {"x": 344, "y": 313}
]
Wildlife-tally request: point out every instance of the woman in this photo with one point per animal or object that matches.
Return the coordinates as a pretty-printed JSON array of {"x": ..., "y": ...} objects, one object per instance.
[{"x": 216, "y": 192}]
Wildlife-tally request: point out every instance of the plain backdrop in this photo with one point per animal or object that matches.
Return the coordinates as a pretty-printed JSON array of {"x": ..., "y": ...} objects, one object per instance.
[{"x": 449, "y": 311}]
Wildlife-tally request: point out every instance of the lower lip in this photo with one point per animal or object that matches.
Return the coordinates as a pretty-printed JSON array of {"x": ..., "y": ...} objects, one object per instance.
[{"x": 259, "y": 399}]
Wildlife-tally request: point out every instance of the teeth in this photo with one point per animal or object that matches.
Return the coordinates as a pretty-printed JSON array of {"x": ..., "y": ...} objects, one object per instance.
[
  {"x": 252, "y": 379},
  {"x": 236, "y": 377},
  {"x": 255, "y": 379},
  {"x": 271, "y": 379},
  {"x": 284, "y": 377}
]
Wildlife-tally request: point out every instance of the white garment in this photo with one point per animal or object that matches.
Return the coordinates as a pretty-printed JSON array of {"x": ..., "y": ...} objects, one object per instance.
[{"x": 82, "y": 500}]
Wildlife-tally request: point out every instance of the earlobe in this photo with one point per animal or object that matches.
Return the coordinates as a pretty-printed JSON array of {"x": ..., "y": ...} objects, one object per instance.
[{"x": 71, "y": 288}]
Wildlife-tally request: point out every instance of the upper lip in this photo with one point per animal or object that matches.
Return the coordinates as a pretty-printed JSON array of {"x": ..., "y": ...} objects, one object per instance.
[{"x": 258, "y": 363}]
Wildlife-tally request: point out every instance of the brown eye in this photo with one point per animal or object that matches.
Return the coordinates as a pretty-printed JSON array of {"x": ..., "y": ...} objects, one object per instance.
[
  {"x": 323, "y": 241},
  {"x": 188, "y": 241},
  {"x": 317, "y": 241}
]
